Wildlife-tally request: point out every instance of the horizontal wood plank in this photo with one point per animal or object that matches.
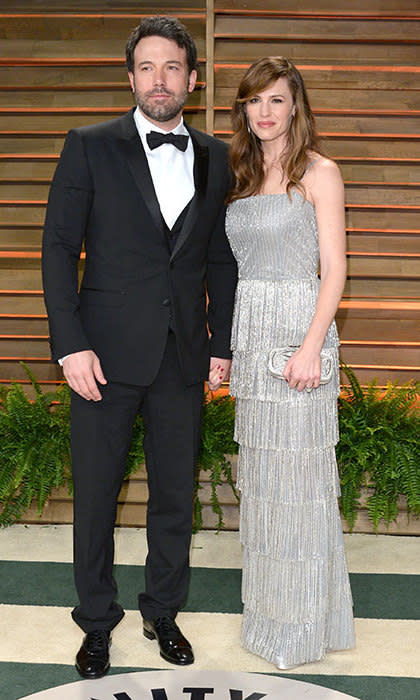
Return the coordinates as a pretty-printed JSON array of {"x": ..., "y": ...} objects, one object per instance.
[{"x": 228, "y": 50}]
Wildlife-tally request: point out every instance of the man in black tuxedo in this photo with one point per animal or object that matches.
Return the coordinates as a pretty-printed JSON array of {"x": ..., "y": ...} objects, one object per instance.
[{"x": 145, "y": 194}]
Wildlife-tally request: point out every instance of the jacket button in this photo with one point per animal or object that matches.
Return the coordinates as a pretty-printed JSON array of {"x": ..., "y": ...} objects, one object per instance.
[{"x": 166, "y": 302}]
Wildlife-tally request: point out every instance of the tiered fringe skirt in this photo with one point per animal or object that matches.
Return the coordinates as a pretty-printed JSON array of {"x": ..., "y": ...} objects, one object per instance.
[{"x": 295, "y": 586}]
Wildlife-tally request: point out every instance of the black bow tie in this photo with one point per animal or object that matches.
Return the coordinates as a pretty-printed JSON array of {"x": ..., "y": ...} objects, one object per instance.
[{"x": 155, "y": 139}]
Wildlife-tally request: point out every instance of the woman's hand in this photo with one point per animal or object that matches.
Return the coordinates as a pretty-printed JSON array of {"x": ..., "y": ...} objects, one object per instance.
[
  {"x": 303, "y": 370},
  {"x": 218, "y": 373}
]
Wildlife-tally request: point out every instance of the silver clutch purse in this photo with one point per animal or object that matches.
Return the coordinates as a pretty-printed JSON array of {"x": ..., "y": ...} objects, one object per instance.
[{"x": 279, "y": 356}]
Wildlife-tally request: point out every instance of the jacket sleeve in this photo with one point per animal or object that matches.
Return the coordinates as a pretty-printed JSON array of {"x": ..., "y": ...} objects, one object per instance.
[
  {"x": 65, "y": 227},
  {"x": 221, "y": 285}
]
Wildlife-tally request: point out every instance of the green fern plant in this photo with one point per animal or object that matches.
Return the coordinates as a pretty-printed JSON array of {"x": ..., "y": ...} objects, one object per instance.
[
  {"x": 34, "y": 447},
  {"x": 135, "y": 457},
  {"x": 379, "y": 448},
  {"x": 216, "y": 443}
]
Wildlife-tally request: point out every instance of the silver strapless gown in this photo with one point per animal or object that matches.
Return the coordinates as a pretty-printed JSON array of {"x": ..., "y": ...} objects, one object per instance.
[{"x": 295, "y": 586}]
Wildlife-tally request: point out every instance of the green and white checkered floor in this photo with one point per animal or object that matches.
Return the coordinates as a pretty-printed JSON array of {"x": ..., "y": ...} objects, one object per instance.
[{"x": 39, "y": 640}]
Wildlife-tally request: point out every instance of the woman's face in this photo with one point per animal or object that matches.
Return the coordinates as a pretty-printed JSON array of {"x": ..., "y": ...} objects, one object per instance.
[{"x": 270, "y": 111}]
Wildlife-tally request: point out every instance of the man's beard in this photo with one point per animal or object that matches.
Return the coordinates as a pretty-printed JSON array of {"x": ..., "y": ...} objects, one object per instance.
[{"x": 161, "y": 112}]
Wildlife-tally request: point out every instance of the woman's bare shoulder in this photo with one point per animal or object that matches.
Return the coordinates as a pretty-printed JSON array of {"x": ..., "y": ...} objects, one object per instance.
[
  {"x": 321, "y": 164},
  {"x": 324, "y": 171}
]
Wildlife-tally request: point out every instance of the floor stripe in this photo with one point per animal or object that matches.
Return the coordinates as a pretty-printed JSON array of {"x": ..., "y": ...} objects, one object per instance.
[
  {"x": 365, "y": 553},
  {"x": 389, "y": 596},
  {"x": 36, "y": 634}
]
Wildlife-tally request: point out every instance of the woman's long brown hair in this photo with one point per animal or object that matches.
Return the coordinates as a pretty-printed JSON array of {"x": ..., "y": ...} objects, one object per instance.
[{"x": 246, "y": 154}]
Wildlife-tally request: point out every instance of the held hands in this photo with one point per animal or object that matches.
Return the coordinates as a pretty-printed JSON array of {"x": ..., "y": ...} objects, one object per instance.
[
  {"x": 303, "y": 370},
  {"x": 219, "y": 372},
  {"x": 82, "y": 370}
]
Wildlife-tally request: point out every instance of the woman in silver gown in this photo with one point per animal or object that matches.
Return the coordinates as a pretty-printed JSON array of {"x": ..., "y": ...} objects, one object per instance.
[{"x": 285, "y": 220}]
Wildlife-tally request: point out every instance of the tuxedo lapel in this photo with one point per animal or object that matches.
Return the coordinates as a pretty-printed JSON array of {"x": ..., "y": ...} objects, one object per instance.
[
  {"x": 201, "y": 168},
  {"x": 137, "y": 162}
]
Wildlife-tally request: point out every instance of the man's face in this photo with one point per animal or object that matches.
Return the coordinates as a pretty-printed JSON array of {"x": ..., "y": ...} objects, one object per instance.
[{"x": 160, "y": 81}]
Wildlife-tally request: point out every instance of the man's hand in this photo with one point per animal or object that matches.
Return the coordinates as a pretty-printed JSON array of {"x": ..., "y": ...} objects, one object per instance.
[
  {"x": 82, "y": 370},
  {"x": 219, "y": 372}
]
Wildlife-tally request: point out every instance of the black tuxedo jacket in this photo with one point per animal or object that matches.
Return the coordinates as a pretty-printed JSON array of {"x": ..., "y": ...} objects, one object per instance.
[{"x": 102, "y": 196}]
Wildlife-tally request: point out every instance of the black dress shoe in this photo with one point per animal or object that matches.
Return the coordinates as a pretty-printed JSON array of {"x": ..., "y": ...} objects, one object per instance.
[
  {"x": 172, "y": 643},
  {"x": 92, "y": 660}
]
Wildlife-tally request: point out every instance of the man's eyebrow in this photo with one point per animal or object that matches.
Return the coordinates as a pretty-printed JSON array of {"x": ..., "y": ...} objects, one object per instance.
[{"x": 149, "y": 60}]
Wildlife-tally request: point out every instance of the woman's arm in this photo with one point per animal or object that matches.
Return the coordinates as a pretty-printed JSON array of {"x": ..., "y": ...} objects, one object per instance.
[{"x": 325, "y": 188}]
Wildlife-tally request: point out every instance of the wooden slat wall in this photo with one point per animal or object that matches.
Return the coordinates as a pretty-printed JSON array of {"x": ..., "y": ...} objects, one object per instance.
[
  {"x": 61, "y": 65},
  {"x": 360, "y": 62}
]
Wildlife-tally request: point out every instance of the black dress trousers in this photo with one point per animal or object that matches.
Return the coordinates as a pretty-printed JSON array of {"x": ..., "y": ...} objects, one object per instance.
[{"x": 101, "y": 437}]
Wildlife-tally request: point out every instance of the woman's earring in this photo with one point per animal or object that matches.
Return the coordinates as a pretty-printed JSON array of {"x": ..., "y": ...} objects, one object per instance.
[{"x": 247, "y": 124}]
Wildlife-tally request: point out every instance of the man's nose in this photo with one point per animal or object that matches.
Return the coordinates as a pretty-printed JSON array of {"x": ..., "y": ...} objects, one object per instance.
[{"x": 159, "y": 77}]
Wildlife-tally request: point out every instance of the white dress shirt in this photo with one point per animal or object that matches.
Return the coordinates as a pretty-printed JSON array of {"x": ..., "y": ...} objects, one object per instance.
[{"x": 172, "y": 171}]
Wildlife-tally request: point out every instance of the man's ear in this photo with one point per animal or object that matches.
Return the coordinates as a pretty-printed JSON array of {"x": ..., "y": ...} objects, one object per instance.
[
  {"x": 131, "y": 79},
  {"x": 192, "y": 79}
]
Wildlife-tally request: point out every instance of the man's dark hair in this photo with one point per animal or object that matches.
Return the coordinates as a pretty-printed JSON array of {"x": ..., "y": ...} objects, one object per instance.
[{"x": 168, "y": 28}]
